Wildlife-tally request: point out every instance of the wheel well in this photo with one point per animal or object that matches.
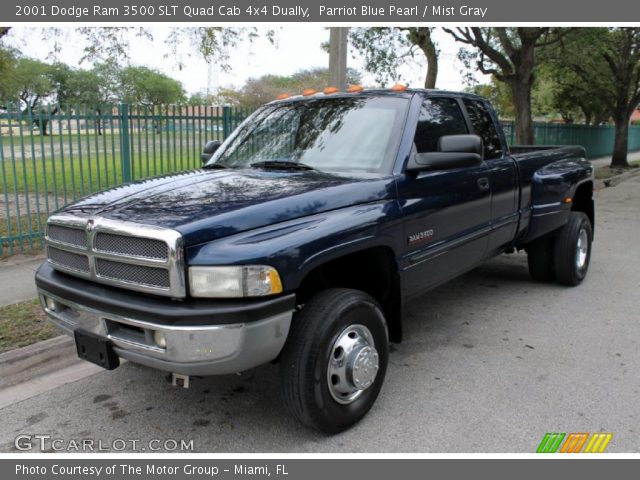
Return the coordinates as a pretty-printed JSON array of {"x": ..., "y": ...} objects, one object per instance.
[
  {"x": 583, "y": 201},
  {"x": 373, "y": 271}
]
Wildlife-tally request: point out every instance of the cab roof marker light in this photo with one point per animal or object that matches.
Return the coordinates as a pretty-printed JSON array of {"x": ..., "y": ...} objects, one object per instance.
[
  {"x": 330, "y": 90},
  {"x": 398, "y": 87},
  {"x": 355, "y": 89},
  {"x": 283, "y": 96},
  {"x": 307, "y": 92}
]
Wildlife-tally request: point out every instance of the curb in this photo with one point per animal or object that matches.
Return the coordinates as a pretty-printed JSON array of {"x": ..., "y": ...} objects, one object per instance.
[
  {"x": 616, "y": 179},
  {"x": 26, "y": 363}
]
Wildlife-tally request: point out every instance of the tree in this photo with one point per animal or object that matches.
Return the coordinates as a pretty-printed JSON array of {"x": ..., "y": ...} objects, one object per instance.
[
  {"x": 144, "y": 86},
  {"x": 112, "y": 44},
  {"x": 543, "y": 98},
  {"x": 258, "y": 91},
  {"x": 498, "y": 94},
  {"x": 96, "y": 89},
  {"x": 385, "y": 49},
  {"x": 509, "y": 54},
  {"x": 569, "y": 95},
  {"x": 85, "y": 87},
  {"x": 34, "y": 85},
  {"x": 199, "y": 98},
  {"x": 8, "y": 86},
  {"x": 606, "y": 62}
]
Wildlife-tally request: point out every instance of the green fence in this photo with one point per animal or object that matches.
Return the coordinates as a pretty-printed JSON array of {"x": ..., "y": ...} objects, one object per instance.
[
  {"x": 597, "y": 139},
  {"x": 87, "y": 149}
]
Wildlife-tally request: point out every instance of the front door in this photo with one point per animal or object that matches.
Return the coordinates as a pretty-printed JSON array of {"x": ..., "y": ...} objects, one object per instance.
[{"x": 446, "y": 213}]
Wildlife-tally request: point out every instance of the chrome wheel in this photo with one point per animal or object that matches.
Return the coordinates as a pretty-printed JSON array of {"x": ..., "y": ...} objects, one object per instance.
[
  {"x": 582, "y": 249},
  {"x": 353, "y": 364}
]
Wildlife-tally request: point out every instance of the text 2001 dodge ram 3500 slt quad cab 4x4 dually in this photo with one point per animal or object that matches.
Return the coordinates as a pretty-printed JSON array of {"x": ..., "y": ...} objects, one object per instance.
[{"x": 303, "y": 235}]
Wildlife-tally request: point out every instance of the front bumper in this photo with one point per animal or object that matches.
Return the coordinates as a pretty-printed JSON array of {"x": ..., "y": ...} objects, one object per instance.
[{"x": 202, "y": 337}]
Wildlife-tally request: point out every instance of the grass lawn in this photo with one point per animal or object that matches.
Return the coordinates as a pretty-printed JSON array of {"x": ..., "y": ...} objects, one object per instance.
[
  {"x": 23, "y": 324},
  {"x": 80, "y": 165},
  {"x": 29, "y": 244},
  {"x": 605, "y": 172}
]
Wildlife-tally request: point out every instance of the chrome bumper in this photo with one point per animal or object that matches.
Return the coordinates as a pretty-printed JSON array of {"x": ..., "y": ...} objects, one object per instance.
[{"x": 187, "y": 350}]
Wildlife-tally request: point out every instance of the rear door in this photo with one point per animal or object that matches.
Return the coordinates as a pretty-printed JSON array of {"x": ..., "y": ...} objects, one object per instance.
[
  {"x": 503, "y": 175},
  {"x": 446, "y": 212}
]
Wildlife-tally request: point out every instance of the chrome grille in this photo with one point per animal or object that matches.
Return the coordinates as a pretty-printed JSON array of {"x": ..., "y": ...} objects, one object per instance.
[
  {"x": 131, "y": 246},
  {"x": 70, "y": 260},
  {"x": 70, "y": 236},
  {"x": 126, "y": 272},
  {"x": 119, "y": 253}
]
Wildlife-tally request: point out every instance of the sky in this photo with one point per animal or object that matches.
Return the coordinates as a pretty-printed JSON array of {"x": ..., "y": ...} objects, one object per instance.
[{"x": 296, "y": 48}]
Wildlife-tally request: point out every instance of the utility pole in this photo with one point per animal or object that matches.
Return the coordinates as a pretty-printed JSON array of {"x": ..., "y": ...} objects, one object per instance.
[{"x": 338, "y": 57}]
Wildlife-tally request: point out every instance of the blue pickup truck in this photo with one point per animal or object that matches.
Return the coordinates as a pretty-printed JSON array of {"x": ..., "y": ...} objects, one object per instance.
[{"x": 303, "y": 236}]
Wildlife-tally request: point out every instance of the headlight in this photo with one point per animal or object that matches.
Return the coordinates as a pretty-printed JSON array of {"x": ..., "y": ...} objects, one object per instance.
[{"x": 233, "y": 282}]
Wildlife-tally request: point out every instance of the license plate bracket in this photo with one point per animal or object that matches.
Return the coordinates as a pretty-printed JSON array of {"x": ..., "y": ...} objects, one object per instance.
[{"x": 96, "y": 349}]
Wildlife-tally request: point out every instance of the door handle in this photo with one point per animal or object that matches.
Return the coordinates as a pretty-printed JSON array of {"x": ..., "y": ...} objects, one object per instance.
[{"x": 483, "y": 184}]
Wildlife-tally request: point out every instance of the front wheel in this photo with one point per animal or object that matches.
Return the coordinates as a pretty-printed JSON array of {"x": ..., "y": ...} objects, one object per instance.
[
  {"x": 334, "y": 362},
  {"x": 572, "y": 249}
]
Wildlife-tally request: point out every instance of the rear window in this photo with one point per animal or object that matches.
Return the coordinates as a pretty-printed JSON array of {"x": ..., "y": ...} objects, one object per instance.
[
  {"x": 438, "y": 117},
  {"x": 483, "y": 126}
]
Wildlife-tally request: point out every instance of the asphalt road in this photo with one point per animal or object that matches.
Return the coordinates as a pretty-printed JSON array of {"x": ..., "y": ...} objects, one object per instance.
[{"x": 491, "y": 362}]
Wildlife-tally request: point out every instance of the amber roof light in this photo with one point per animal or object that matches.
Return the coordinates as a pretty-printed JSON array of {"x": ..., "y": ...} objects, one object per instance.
[
  {"x": 398, "y": 87},
  {"x": 330, "y": 90},
  {"x": 355, "y": 88},
  {"x": 308, "y": 92},
  {"x": 283, "y": 96}
]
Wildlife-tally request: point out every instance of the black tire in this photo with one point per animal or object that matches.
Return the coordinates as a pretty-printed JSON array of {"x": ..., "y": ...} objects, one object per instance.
[
  {"x": 569, "y": 269},
  {"x": 541, "y": 260},
  {"x": 305, "y": 358}
]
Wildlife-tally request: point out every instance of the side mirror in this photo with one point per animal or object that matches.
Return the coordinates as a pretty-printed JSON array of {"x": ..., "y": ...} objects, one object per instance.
[
  {"x": 209, "y": 149},
  {"x": 454, "y": 151}
]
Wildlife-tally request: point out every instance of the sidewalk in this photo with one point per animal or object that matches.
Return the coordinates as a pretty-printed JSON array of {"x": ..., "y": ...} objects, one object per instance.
[
  {"x": 605, "y": 161},
  {"x": 16, "y": 279},
  {"x": 43, "y": 366}
]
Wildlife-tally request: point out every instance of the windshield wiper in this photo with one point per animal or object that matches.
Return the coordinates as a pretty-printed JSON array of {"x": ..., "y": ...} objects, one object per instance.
[
  {"x": 281, "y": 165},
  {"x": 216, "y": 166}
]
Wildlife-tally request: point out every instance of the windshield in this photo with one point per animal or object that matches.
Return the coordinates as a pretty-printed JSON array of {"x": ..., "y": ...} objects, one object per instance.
[{"x": 328, "y": 134}]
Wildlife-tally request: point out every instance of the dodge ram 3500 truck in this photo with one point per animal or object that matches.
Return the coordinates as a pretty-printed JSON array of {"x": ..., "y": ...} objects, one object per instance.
[{"x": 303, "y": 235}]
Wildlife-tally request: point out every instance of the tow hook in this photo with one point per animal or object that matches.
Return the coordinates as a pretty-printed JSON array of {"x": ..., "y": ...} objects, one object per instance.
[{"x": 178, "y": 380}]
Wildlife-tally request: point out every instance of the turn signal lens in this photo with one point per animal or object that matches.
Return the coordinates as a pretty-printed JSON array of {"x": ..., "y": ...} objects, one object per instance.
[
  {"x": 308, "y": 92},
  {"x": 283, "y": 96},
  {"x": 355, "y": 88},
  {"x": 398, "y": 87},
  {"x": 568, "y": 200},
  {"x": 330, "y": 90}
]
